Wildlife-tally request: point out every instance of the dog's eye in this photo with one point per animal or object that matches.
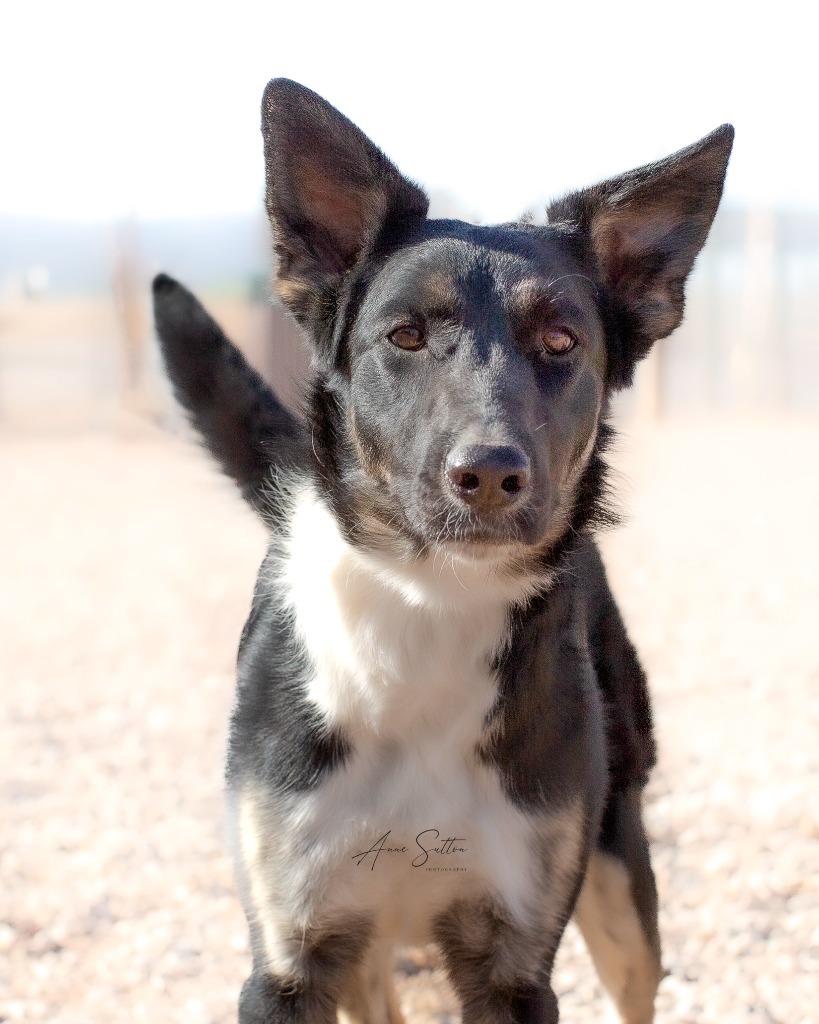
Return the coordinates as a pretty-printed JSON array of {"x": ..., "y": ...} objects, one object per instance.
[
  {"x": 557, "y": 341},
  {"x": 409, "y": 337}
]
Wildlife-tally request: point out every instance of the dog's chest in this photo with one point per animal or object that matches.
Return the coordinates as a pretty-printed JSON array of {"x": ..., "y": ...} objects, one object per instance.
[
  {"x": 396, "y": 658},
  {"x": 413, "y": 818}
]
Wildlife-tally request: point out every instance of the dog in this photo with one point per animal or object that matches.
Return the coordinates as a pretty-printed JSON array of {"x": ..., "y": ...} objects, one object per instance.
[{"x": 441, "y": 729}]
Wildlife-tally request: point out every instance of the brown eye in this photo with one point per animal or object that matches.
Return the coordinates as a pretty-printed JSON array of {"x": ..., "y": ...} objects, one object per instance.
[
  {"x": 557, "y": 341},
  {"x": 410, "y": 338}
]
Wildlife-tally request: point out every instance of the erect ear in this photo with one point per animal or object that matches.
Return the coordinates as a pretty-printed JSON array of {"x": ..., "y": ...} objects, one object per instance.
[
  {"x": 330, "y": 192},
  {"x": 645, "y": 229}
]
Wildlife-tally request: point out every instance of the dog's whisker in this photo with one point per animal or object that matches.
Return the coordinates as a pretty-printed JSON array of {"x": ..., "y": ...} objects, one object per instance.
[{"x": 565, "y": 277}]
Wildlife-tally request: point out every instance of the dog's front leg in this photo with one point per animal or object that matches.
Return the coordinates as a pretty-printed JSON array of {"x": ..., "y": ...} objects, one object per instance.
[
  {"x": 524, "y": 1004},
  {"x": 500, "y": 974},
  {"x": 312, "y": 990},
  {"x": 266, "y": 999}
]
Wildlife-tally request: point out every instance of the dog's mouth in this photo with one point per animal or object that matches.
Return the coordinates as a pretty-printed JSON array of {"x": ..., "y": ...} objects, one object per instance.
[
  {"x": 436, "y": 524},
  {"x": 481, "y": 537},
  {"x": 483, "y": 551},
  {"x": 477, "y": 542}
]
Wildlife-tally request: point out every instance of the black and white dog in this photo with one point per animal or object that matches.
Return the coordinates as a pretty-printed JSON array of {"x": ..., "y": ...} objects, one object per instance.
[{"x": 441, "y": 729}]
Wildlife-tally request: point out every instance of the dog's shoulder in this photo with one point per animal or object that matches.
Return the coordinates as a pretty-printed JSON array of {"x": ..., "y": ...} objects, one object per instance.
[{"x": 623, "y": 684}]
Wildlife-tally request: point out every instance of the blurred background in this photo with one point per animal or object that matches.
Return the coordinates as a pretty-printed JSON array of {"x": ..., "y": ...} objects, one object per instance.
[{"x": 130, "y": 144}]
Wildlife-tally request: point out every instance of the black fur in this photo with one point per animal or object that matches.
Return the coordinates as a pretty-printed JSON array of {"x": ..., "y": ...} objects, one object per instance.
[
  {"x": 623, "y": 685},
  {"x": 312, "y": 998},
  {"x": 459, "y": 404},
  {"x": 548, "y": 709},
  {"x": 294, "y": 750},
  {"x": 247, "y": 430},
  {"x": 470, "y": 936}
]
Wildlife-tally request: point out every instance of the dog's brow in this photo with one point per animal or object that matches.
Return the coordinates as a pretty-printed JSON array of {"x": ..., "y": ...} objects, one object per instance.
[
  {"x": 439, "y": 288},
  {"x": 430, "y": 294},
  {"x": 436, "y": 291},
  {"x": 526, "y": 295},
  {"x": 532, "y": 293}
]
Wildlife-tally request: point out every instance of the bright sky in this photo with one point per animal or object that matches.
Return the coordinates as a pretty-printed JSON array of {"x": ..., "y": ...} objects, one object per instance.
[{"x": 152, "y": 108}]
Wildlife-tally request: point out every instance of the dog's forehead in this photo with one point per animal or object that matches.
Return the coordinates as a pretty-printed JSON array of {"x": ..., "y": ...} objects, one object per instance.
[{"x": 453, "y": 263}]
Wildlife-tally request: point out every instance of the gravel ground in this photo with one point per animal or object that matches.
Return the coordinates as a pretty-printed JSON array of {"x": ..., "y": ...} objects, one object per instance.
[{"x": 127, "y": 567}]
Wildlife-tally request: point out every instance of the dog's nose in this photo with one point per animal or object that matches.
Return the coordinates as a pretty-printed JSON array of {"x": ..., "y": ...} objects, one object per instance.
[{"x": 490, "y": 479}]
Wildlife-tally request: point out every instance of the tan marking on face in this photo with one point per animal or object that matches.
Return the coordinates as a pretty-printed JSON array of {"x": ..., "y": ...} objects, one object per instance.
[
  {"x": 367, "y": 455},
  {"x": 527, "y": 292},
  {"x": 438, "y": 290}
]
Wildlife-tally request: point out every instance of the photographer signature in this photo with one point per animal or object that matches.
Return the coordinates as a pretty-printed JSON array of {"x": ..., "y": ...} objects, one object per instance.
[{"x": 429, "y": 841}]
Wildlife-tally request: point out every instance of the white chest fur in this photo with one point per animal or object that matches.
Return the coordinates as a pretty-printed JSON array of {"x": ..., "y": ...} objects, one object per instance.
[
  {"x": 401, "y": 664},
  {"x": 400, "y": 651}
]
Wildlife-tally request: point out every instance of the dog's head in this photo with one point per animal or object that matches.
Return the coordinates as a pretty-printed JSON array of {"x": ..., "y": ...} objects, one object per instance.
[{"x": 463, "y": 371}]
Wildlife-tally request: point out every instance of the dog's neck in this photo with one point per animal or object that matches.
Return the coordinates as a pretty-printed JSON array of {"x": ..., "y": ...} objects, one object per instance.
[
  {"x": 441, "y": 581},
  {"x": 391, "y": 642}
]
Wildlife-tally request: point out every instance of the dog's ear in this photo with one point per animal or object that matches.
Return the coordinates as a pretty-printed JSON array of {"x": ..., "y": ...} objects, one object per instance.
[
  {"x": 645, "y": 229},
  {"x": 330, "y": 192}
]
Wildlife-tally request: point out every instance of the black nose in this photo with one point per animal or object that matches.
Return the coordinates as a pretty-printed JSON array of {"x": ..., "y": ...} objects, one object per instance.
[{"x": 490, "y": 479}]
